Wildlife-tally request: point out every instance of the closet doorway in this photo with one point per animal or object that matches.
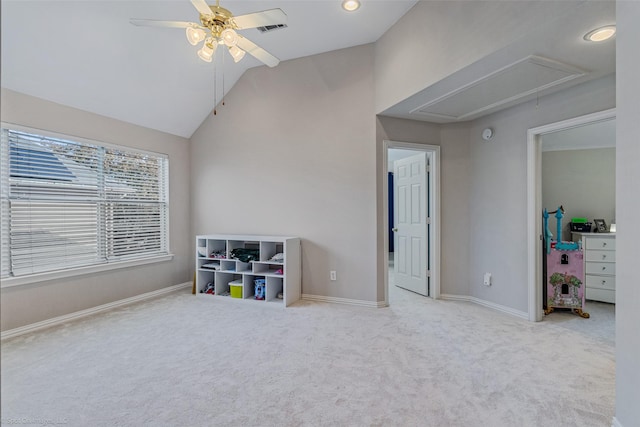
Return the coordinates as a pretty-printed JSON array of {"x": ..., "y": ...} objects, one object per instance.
[{"x": 412, "y": 223}]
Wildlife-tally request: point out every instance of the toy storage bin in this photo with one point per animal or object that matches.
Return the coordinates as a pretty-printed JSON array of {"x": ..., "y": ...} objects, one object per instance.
[
  {"x": 235, "y": 288},
  {"x": 584, "y": 227}
]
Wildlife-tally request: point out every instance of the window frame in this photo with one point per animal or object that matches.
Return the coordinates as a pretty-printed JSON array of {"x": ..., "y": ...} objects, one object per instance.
[{"x": 40, "y": 277}]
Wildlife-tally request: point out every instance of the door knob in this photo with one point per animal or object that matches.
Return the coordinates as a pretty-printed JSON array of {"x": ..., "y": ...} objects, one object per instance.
[{"x": 395, "y": 230}]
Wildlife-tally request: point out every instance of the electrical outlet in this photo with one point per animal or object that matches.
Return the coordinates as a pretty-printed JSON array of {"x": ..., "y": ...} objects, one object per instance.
[
  {"x": 332, "y": 275},
  {"x": 487, "y": 279}
]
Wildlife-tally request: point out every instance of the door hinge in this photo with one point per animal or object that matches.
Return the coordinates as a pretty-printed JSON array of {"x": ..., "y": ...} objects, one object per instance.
[
  {"x": 428, "y": 273},
  {"x": 428, "y": 220}
]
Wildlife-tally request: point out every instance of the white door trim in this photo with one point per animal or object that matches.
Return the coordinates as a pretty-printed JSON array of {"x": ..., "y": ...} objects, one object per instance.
[
  {"x": 534, "y": 202},
  {"x": 434, "y": 183}
]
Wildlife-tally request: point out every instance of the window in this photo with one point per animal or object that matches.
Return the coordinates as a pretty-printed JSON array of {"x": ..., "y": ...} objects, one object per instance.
[{"x": 68, "y": 203}]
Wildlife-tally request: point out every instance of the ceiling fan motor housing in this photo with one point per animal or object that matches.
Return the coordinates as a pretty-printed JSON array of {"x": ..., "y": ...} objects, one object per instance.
[
  {"x": 219, "y": 19},
  {"x": 222, "y": 25}
]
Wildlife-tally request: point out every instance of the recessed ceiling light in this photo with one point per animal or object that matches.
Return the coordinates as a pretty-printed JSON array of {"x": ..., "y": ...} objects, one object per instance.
[
  {"x": 350, "y": 5},
  {"x": 600, "y": 34}
]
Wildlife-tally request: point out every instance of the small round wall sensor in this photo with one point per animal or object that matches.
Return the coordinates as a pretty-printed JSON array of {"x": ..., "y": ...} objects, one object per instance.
[{"x": 487, "y": 134}]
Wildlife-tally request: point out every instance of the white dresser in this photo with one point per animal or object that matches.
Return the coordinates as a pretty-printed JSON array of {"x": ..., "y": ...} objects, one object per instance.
[{"x": 600, "y": 266}]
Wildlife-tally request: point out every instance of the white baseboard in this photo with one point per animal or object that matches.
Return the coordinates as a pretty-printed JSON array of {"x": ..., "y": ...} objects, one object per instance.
[
  {"x": 616, "y": 423},
  {"x": 90, "y": 311},
  {"x": 381, "y": 304},
  {"x": 346, "y": 301},
  {"x": 521, "y": 314}
]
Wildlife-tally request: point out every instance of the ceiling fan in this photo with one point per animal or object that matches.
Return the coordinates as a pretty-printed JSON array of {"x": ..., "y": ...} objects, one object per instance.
[{"x": 218, "y": 27}]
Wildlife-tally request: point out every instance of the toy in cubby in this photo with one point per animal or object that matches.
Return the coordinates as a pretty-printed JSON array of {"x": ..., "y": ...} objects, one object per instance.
[
  {"x": 260, "y": 290},
  {"x": 209, "y": 289}
]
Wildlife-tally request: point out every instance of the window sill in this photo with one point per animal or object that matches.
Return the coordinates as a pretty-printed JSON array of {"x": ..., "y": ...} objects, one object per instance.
[{"x": 73, "y": 272}]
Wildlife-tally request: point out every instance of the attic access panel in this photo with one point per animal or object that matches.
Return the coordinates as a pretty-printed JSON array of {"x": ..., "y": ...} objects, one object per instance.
[{"x": 502, "y": 87}]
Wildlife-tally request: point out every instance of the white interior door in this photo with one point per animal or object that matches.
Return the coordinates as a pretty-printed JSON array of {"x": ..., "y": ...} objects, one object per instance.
[{"x": 411, "y": 222}]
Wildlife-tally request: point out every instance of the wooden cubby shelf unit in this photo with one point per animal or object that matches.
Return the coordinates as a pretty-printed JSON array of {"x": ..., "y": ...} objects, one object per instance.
[{"x": 216, "y": 267}]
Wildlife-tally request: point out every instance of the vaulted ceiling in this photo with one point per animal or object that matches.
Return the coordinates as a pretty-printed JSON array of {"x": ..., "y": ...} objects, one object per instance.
[{"x": 86, "y": 54}]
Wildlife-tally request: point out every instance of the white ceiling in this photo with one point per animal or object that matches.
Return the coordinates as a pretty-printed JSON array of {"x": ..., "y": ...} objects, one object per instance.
[
  {"x": 547, "y": 57},
  {"x": 600, "y": 134},
  {"x": 86, "y": 54}
]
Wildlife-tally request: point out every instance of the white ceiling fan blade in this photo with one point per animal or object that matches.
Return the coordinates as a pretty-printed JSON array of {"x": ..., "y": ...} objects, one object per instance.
[
  {"x": 261, "y": 19},
  {"x": 165, "y": 24},
  {"x": 257, "y": 52},
  {"x": 202, "y": 6}
]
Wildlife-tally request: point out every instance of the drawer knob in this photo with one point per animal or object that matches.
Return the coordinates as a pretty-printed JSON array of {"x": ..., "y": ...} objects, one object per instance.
[
  {"x": 604, "y": 257},
  {"x": 604, "y": 282},
  {"x": 604, "y": 243},
  {"x": 604, "y": 268}
]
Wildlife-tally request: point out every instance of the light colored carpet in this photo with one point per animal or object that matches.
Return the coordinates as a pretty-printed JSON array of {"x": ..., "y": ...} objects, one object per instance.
[{"x": 185, "y": 360}]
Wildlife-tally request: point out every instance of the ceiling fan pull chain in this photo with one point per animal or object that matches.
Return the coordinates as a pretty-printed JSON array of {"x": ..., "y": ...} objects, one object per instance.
[
  {"x": 215, "y": 88},
  {"x": 217, "y": 29}
]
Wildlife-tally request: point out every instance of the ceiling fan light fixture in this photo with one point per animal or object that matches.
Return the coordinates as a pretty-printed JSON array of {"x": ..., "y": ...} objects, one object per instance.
[
  {"x": 229, "y": 36},
  {"x": 601, "y": 34},
  {"x": 236, "y": 53},
  {"x": 351, "y": 5},
  {"x": 207, "y": 51},
  {"x": 195, "y": 35}
]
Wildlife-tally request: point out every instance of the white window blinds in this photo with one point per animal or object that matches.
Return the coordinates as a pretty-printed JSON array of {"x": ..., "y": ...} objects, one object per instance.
[{"x": 72, "y": 204}]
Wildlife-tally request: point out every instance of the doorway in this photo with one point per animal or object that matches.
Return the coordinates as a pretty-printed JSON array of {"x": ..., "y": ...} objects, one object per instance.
[
  {"x": 534, "y": 202},
  {"x": 416, "y": 244}
]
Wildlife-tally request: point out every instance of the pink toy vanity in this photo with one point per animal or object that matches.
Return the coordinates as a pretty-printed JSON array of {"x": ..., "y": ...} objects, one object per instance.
[{"x": 565, "y": 281}]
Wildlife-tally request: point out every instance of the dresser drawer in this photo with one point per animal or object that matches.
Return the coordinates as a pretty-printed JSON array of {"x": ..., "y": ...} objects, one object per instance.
[
  {"x": 603, "y": 295},
  {"x": 600, "y": 268},
  {"x": 607, "y": 243},
  {"x": 600, "y": 256},
  {"x": 601, "y": 282}
]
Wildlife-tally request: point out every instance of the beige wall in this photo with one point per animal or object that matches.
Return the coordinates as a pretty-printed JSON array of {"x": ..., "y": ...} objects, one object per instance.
[
  {"x": 627, "y": 208},
  {"x": 484, "y": 193},
  {"x": 454, "y": 179},
  {"x": 292, "y": 153},
  {"x": 498, "y": 188},
  {"x": 23, "y": 305},
  {"x": 455, "y": 215},
  {"x": 410, "y": 58},
  {"x": 582, "y": 181}
]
